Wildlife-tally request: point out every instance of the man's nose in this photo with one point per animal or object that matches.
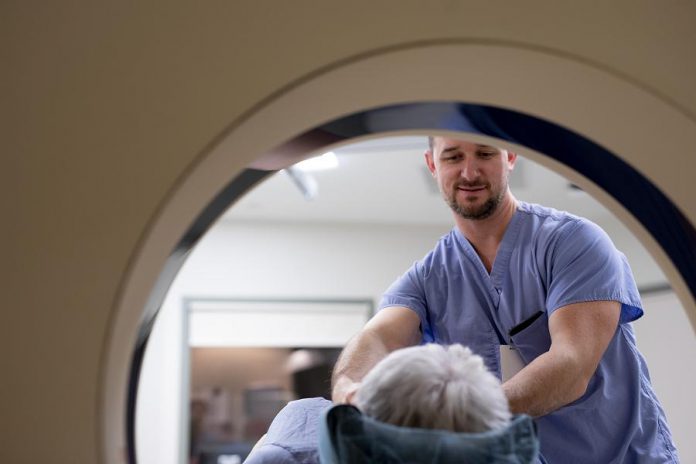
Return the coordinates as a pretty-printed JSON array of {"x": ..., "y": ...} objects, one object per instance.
[{"x": 469, "y": 168}]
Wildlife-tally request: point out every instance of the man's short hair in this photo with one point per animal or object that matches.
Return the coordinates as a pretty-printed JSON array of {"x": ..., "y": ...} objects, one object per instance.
[{"x": 437, "y": 387}]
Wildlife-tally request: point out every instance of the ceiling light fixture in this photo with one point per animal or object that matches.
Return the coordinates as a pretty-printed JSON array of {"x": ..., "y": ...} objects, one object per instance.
[{"x": 319, "y": 163}]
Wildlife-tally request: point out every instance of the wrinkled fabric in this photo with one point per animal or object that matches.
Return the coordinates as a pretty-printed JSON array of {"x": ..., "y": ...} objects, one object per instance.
[
  {"x": 304, "y": 426},
  {"x": 349, "y": 437},
  {"x": 293, "y": 435},
  {"x": 547, "y": 259}
]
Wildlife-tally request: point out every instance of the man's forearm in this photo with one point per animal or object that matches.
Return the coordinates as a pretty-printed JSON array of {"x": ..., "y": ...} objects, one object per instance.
[
  {"x": 580, "y": 334},
  {"x": 549, "y": 382},
  {"x": 390, "y": 329},
  {"x": 359, "y": 356}
]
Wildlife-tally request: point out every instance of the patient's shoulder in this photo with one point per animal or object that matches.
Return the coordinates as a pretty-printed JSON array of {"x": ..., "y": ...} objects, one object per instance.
[{"x": 293, "y": 435}]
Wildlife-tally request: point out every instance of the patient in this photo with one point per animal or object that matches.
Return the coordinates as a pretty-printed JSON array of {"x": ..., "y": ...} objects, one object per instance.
[
  {"x": 434, "y": 387},
  {"x": 446, "y": 388}
]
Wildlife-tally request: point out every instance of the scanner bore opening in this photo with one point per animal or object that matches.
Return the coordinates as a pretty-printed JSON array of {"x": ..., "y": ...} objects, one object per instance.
[{"x": 648, "y": 205}]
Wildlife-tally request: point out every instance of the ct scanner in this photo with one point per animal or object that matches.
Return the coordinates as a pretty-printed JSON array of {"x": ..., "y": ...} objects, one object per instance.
[{"x": 128, "y": 128}]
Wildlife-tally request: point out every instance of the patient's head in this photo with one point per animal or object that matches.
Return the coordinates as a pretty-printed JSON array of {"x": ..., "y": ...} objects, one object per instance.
[{"x": 434, "y": 386}]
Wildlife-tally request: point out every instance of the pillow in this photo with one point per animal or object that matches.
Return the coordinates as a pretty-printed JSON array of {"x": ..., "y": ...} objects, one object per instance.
[{"x": 346, "y": 436}]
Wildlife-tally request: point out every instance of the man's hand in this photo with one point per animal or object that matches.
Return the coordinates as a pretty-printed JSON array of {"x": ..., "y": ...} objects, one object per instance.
[{"x": 344, "y": 390}]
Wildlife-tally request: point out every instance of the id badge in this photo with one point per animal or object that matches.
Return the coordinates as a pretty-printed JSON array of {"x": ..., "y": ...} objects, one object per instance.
[{"x": 510, "y": 362}]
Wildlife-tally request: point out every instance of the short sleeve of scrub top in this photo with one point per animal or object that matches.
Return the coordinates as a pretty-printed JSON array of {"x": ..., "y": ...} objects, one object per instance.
[
  {"x": 585, "y": 266},
  {"x": 408, "y": 291}
]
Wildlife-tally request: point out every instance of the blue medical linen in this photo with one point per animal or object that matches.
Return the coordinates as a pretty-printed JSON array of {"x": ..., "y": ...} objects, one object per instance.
[
  {"x": 547, "y": 259},
  {"x": 293, "y": 437},
  {"x": 301, "y": 434}
]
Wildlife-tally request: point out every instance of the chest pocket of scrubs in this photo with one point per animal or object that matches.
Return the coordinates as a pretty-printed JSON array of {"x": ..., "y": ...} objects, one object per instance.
[{"x": 534, "y": 339}]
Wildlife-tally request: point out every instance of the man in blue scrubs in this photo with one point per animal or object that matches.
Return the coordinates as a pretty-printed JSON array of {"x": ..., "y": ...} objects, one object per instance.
[{"x": 549, "y": 284}]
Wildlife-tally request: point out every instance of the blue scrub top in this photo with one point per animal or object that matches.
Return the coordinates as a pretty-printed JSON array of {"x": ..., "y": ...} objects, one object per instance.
[{"x": 547, "y": 259}]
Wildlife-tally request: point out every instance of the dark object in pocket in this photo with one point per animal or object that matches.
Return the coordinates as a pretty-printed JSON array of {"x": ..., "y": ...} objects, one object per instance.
[
  {"x": 526, "y": 323},
  {"x": 531, "y": 338}
]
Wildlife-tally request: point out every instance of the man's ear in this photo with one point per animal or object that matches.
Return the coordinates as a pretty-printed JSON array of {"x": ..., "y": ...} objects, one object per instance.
[
  {"x": 511, "y": 159},
  {"x": 430, "y": 161}
]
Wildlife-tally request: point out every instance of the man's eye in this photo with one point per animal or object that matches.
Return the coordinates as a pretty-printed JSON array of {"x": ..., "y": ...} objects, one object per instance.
[{"x": 486, "y": 154}]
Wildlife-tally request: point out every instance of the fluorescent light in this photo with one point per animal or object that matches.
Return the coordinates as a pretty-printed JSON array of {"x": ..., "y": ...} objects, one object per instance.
[{"x": 319, "y": 163}]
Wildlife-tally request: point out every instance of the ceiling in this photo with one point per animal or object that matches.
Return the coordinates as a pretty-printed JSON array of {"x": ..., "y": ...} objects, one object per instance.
[{"x": 385, "y": 181}]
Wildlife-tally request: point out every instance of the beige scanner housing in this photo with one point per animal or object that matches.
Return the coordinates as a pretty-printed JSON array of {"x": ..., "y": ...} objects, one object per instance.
[{"x": 122, "y": 120}]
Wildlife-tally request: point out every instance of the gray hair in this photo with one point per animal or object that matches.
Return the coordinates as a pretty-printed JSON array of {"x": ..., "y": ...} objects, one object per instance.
[{"x": 437, "y": 387}]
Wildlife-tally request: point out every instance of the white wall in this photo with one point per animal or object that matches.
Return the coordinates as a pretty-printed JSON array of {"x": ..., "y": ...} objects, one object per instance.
[
  {"x": 358, "y": 261},
  {"x": 267, "y": 261},
  {"x": 667, "y": 341}
]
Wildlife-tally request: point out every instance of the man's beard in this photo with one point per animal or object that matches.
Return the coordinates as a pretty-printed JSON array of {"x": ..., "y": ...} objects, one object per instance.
[{"x": 475, "y": 212}]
